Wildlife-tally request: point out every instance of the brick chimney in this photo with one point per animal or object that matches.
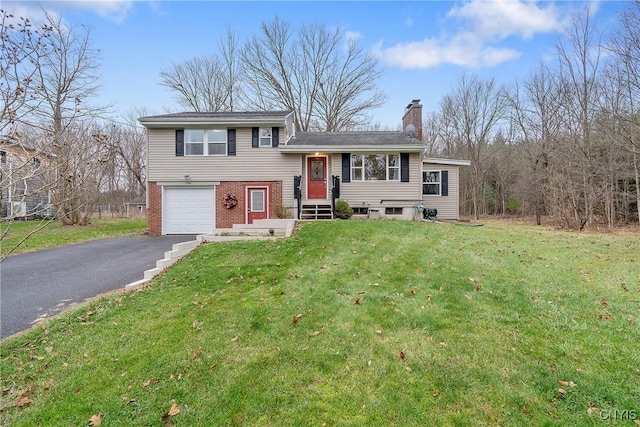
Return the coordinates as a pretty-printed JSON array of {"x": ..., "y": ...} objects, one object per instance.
[{"x": 413, "y": 115}]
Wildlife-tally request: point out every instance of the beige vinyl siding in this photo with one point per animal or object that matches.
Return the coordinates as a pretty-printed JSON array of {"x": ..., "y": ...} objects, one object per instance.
[
  {"x": 381, "y": 194},
  {"x": 447, "y": 206},
  {"x": 249, "y": 164}
]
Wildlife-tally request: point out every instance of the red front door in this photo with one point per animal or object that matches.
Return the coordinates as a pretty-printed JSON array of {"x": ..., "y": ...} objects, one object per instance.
[
  {"x": 257, "y": 204},
  {"x": 317, "y": 182}
]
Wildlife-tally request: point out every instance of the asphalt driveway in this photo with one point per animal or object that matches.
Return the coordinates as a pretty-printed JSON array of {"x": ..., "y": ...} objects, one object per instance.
[{"x": 40, "y": 284}]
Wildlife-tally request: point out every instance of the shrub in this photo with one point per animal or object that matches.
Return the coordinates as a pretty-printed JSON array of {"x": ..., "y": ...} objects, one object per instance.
[
  {"x": 513, "y": 205},
  {"x": 343, "y": 210},
  {"x": 282, "y": 211}
]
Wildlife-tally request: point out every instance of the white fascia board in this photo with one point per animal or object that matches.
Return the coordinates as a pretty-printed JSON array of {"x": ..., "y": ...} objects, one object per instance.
[
  {"x": 198, "y": 121},
  {"x": 350, "y": 149},
  {"x": 453, "y": 162}
]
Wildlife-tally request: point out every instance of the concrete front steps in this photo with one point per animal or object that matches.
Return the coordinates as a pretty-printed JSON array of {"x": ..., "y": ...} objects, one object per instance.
[
  {"x": 264, "y": 229},
  {"x": 260, "y": 229}
]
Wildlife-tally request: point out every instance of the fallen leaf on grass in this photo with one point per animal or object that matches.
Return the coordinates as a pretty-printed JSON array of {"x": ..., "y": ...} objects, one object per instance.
[
  {"x": 358, "y": 301},
  {"x": 196, "y": 324},
  {"x": 314, "y": 334},
  {"x": 196, "y": 353},
  {"x": 637, "y": 421},
  {"x": 173, "y": 411},
  {"x": 469, "y": 297},
  {"x": 592, "y": 409},
  {"x": 24, "y": 401},
  {"x": 149, "y": 382},
  {"x": 402, "y": 355},
  {"x": 566, "y": 383},
  {"x": 95, "y": 420}
]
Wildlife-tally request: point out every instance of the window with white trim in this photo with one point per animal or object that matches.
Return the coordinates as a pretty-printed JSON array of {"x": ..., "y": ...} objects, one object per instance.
[
  {"x": 209, "y": 142},
  {"x": 375, "y": 167},
  {"x": 265, "y": 137},
  {"x": 431, "y": 181}
]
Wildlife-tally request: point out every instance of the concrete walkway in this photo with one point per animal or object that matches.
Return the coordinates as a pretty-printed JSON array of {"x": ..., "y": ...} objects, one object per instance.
[{"x": 263, "y": 229}]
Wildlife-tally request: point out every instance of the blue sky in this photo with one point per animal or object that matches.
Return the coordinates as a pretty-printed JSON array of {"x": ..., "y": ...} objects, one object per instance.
[{"x": 424, "y": 46}]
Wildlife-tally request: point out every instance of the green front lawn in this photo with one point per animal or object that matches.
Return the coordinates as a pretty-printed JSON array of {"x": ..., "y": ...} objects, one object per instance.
[
  {"x": 352, "y": 323},
  {"x": 50, "y": 233}
]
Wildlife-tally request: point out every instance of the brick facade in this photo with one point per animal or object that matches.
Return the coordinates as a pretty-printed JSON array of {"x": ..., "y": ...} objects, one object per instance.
[
  {"x": 225, "y": 218},
  {"x": 154, "y": 212}
]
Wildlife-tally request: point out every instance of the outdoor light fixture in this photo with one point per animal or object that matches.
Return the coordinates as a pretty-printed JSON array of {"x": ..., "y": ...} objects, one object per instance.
[{"x": 187, "y": 179}]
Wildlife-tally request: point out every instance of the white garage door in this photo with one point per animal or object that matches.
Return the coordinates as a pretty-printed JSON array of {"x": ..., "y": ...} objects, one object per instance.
[{"x": 188, "y": 210}]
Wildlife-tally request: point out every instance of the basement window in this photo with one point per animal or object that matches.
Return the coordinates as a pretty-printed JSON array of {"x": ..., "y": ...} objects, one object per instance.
[
  {"x": 361, "y": 211},
  {"x": 393, "y": 211}
]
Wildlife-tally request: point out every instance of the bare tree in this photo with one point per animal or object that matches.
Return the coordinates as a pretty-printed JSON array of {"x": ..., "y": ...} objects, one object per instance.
[
  {"x": 579, "y": 53},
  {"x": 207, "y": 83},
  {"x": 471, "y": 115},
  {"x": 625, "y": 44},
  {"x": 199, "y": 83},
  {"x": 128, "y": 143},
  {"x": 326, "y": 80},
  {"x": 67, "y": 78},
  {"x": 21, "y": 48},
  {"x": 534, "y": 107}
]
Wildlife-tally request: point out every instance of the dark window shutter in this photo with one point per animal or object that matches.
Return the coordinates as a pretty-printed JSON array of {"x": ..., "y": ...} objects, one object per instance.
[
  {"x": 275, "y": 135},
  {"x": 255, "y": 134},
  {"x": 179, "y": 142},
  {"x": 231, "y": 142},
  {"x": 404, "y": 167},
  {"x": 444, "y": 183},
  {"x": 346, "y": 167}
]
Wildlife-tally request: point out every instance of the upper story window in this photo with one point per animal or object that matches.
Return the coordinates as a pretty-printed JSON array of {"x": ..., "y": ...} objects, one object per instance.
[
  {"x": 265, "y": 137},
  {"x": 375, "y": 167},
  {"x": 3, "y": 157},
  {"x": 36, "y": 162},
  {"x": 209, "y": 142},
  {"x": 431, "y": 181}
]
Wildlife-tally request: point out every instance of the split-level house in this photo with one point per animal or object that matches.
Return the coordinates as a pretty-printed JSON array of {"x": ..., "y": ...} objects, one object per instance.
[
  {"x": 25, "y": 181},
  {"x": 207, "y": 171}
]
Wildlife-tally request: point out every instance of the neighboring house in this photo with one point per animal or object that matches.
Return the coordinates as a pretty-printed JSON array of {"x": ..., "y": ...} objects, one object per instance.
[
  {"x": 212, "y": 170},
  {"x": 137, "y": 207},
  {"x": 25, "y": 181}
]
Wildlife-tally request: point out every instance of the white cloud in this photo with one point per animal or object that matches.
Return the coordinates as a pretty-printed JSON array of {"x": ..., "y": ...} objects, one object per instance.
[
  {"x": 352, "y": 36},
  {"x": 463, "y": 50},
  {"x": 504, "y": 18},
  {"x": 475, "y": 31},
  {"x": 112, "y": 10}
]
